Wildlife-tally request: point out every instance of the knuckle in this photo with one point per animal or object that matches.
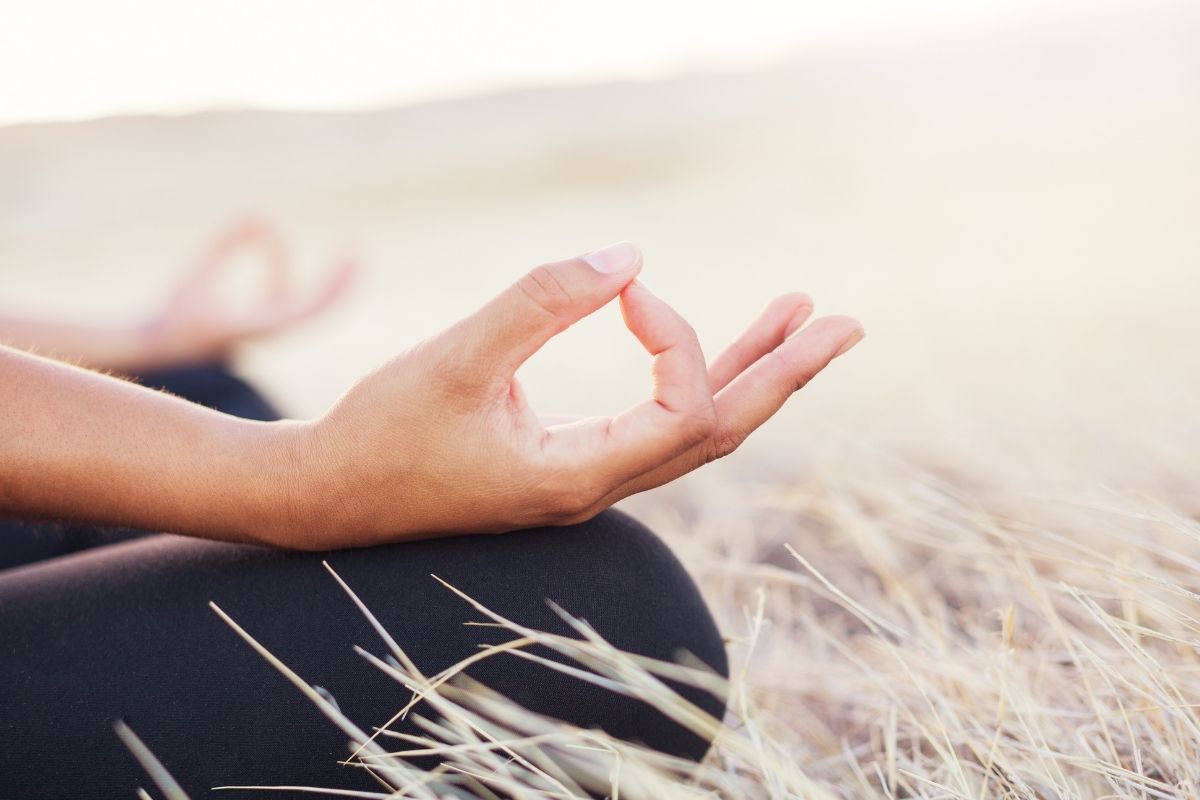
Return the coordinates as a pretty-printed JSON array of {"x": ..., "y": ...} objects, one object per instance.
[
  {"x": 798, "y": 375},
  {"x": 697, "y": 424},
  {"x": 545, "y": 290},
  {"x": 800, "y": 380},
  {"x": 447, "y": 364},
  {"x": 689, "y": 334},
  {"x": 723, "y": 444}
]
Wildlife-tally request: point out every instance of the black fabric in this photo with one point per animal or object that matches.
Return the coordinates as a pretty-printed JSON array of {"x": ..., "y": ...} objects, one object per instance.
[
  {"x": 123, "y": 630},
  {"x": 214, "y": 386}
]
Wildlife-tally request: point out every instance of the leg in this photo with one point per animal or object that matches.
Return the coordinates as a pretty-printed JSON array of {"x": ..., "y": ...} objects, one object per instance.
[
  {"x": 124, "y": 631},
  {"x": 212, "y": 385}
]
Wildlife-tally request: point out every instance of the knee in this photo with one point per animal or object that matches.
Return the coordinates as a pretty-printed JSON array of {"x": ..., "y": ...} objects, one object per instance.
[
  {"x": 654, "y": 608},
  {"x": 626, "y": 583},
  {"x": 644, "y": 597},
  {"x": 611, "y": 572}
]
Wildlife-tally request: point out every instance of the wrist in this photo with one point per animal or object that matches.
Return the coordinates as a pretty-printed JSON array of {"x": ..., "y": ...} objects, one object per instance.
[
  {"x": 257, "y": 500},
  {"x": 288, "y": 512},
  {"x": 300, "y": 501}
]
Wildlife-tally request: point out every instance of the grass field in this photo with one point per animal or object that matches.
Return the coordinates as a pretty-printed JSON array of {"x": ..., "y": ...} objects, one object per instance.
[{"x": 894, "y": 635}]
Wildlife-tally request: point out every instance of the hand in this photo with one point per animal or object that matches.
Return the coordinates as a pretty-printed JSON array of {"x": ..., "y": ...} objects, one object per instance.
[
  {"x": 194, "y": 325},
  {"x": 441, "y": 439}
]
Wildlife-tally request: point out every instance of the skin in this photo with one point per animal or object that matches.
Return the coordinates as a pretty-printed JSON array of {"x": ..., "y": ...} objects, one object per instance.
[{"x": 439, "y": 440}]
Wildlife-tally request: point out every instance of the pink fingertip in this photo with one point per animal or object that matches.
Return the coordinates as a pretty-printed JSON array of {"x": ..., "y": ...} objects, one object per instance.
[
  {"x": 850, "y": 341},
  {"x": 614, "y": 258}
]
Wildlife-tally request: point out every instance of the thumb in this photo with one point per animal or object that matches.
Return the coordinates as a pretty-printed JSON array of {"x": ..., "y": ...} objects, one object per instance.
[{"x": 544, "y": 302}]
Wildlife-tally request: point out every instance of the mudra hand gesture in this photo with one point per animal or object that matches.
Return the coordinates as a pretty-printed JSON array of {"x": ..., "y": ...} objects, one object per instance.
[
  {"x": 194, "y": 324},
  {"x": 439, "y": 440},
  {"x": 442, "y": 440}
]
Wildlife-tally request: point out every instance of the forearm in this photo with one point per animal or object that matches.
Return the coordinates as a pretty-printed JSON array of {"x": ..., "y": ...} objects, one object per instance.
[{"x": 82, "y": 446}]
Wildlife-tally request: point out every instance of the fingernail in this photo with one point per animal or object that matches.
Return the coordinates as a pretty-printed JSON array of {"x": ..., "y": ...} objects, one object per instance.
[
  {"x": 619, "y": 257},
  {"x": 852, "y": 340}
]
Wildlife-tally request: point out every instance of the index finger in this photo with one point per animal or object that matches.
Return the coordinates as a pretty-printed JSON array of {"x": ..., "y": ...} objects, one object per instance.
[{"x": 679, "y": 413}]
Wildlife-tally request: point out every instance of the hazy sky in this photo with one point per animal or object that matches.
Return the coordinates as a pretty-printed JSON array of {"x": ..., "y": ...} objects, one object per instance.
[{"x": 65, "y": 59}]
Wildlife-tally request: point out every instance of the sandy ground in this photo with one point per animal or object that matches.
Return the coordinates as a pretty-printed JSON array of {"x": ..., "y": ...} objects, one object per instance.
[{"x": 1013, "y": 217}]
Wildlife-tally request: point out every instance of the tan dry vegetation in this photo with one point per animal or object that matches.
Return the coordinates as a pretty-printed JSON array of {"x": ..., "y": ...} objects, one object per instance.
[{"x": 974, "y": 543}]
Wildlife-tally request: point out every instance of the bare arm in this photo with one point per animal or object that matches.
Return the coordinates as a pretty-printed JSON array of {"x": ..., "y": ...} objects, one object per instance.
[
  {"x": 78, "y": 445},
  {"x": 440, "y": 440}
]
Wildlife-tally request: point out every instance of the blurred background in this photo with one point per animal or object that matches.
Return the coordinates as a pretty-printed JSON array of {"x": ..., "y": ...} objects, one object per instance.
[{"x": 1005, "y": 194}]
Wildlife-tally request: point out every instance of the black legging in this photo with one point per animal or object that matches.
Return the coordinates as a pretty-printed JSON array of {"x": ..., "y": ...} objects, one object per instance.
[{"x": 100, "y": 624}]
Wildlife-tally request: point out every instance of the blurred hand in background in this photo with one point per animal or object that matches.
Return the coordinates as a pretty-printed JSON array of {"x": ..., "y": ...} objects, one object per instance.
[{"x": 196, "y": 323}]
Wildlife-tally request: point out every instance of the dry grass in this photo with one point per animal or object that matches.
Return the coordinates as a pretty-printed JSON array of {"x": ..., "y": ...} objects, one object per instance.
[
  {"x": 925, "y": 644},
  {"x": 898, "y": 637}
]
